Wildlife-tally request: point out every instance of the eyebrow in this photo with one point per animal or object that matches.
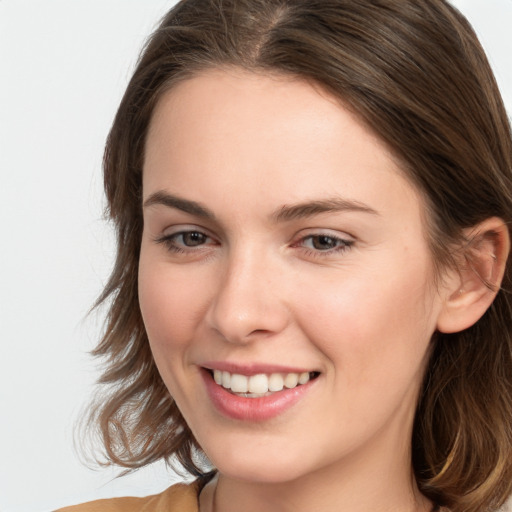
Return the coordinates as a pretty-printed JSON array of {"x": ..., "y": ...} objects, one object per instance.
[
  {"x": 283, "y": 214},
  {"x": 311, "y": 208},
  {"x": 185, "y": 205}
]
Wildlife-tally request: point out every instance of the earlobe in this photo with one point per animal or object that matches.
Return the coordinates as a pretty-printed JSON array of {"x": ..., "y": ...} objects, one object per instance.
[{"x": 471, "y": 288}]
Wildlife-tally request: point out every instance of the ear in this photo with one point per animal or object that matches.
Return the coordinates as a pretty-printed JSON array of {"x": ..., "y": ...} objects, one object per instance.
[{"x": 471, "y": 289}]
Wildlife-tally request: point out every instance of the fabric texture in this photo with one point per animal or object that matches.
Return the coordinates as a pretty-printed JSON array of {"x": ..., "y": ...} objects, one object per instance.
[{"x": 177, "y": 498}]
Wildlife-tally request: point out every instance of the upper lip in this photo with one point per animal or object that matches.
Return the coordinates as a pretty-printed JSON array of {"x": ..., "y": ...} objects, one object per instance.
[{"x": 253, "y": 368}]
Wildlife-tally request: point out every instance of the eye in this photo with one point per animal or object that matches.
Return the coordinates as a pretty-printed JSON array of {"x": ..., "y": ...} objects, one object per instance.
[
  {"x": 185, "y": 241},
  {"x": 323, "y": 244},
  {"x": 190, "y": 238}
]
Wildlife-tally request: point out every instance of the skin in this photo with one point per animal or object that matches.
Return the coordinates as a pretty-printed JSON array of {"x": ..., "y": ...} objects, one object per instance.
[{"x": 359, "y": 306}]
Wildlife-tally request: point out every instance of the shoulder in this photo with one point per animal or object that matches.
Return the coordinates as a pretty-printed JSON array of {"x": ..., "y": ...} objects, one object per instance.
[{"x": 179, "y": 498}]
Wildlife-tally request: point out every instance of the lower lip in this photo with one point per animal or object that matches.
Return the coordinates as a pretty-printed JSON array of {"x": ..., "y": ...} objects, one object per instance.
[{"x": 253, "y": 409}]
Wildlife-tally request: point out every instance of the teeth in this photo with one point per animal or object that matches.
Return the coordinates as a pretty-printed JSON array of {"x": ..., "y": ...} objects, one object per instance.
[
  {"x": 291, "y": 380},
  {"x": 258, "y": 384},
  {"x": 261, "y": 384},
  {"x": 226, "y": 380},
  {"x": 303, "y": 377},
  {"x": 239, "y": 383},
  {"x": 275, "y": 382}
]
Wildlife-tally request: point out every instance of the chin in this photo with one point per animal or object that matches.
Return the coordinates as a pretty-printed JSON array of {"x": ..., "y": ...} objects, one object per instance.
[{"x": 258, "y": 465}]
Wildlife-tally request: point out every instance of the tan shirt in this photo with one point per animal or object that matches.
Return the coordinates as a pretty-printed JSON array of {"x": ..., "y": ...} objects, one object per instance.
[{"x": 178, "y": 498}]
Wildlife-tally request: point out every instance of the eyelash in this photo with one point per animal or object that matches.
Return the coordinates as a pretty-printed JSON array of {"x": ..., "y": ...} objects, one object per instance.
[
  {"x": 340, "y": 244},
  {"x": 170, "y": 241}
]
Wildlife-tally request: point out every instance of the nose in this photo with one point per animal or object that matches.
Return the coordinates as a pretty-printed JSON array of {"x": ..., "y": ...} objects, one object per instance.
[{"x": 249, "y": 302}]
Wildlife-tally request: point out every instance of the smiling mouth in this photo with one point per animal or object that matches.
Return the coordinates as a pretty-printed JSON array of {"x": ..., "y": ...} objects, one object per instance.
[{"x": 260, "y": 385}]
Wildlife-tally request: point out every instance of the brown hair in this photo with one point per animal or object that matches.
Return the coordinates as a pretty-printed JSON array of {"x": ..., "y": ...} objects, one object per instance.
[{"x": 414, "y": 72}]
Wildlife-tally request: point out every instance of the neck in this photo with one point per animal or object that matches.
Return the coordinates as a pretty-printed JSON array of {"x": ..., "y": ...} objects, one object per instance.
[{"x": 328, "y": 495}]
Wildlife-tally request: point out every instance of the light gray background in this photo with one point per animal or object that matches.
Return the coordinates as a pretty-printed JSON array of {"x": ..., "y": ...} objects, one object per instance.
[{"x": 63, "y": 67}]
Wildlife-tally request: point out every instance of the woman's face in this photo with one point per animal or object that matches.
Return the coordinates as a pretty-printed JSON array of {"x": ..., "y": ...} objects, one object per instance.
[{"x": 282, "y": 247}]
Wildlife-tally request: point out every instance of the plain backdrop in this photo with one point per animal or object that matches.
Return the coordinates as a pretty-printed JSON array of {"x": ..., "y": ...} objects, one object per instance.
[{"x": 63, "y": 68}]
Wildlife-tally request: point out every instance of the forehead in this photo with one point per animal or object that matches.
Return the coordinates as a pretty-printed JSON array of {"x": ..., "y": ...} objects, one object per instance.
[
  {"x": 275, "y": 107},
  {"x": 266, "y": 135}
]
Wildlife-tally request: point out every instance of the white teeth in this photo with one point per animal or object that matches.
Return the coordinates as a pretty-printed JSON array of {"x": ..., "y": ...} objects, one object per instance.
[
  {"x": 303, "y": 377},
  {"x": 275, "y": 382},
  {"x": 259, "y": 385},
  {"x": 291, "y": 380},
  {"x": 226, "y": 380},
  {"x": 239, "y": 383}
]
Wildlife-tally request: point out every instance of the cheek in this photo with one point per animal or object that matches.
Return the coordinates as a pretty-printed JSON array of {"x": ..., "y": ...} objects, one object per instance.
[
  {"x": 169, "y": 303},
  {"x": 372, "y": 325}
]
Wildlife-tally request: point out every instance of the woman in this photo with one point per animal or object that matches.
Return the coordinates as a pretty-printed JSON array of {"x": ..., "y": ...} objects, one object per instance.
[{"x": 312, "y": 201}]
